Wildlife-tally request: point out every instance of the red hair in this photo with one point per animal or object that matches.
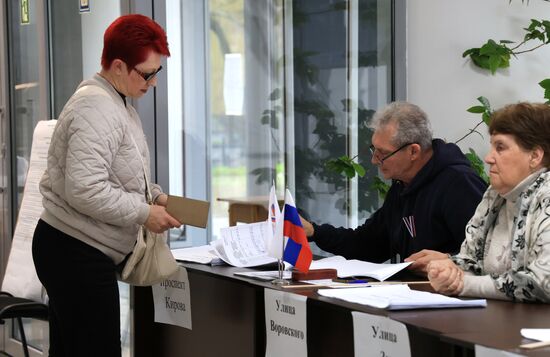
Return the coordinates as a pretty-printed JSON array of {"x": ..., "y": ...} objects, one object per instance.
[{"x": 130, "y": 38}]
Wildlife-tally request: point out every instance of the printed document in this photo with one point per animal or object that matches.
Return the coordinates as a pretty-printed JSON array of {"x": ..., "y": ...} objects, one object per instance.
[
  {"x": 399, "y": 297},
  {"x": 347, "y": 268},
  {"x": 244, "y": 245}
]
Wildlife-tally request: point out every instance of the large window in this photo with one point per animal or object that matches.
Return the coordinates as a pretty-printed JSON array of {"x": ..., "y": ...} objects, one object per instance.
[
  {"x": 28, "y": 103},
  {"x": 342, "y": 74},
  {"x": 269, "y": 91}
]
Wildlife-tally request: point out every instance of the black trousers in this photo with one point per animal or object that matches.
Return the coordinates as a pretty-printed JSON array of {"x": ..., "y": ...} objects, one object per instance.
[{"x": 82, "y": 287}]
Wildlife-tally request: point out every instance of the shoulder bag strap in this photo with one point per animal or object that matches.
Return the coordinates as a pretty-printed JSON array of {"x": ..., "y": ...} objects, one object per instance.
[{"x": 147, "y": 188}]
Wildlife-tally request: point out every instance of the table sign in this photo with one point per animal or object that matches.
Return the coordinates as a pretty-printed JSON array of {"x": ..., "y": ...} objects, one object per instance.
[
  {"x": 172, "y": 300},
  {"x": 285, "y": 323},
  {"x": 378, "y": 336}
]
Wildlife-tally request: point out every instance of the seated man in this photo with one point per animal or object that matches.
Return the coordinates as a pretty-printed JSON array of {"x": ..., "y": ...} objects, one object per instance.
[{"x": 434, "y": 193}]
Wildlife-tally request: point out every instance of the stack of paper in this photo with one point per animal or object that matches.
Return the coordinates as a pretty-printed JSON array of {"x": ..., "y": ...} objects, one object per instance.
[
  {"x": 264, "y": 275},
  {"x": 347, "y": 268},
  {"x": 205, "y": 254},
  {"x": 239, "y": 246},
  {"x": 399, "y": 297},
  {"x": 244, "y": 245}
]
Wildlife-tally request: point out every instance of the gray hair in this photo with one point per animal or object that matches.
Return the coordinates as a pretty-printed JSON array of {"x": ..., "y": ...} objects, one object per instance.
[{"x": 411, "y": 122}]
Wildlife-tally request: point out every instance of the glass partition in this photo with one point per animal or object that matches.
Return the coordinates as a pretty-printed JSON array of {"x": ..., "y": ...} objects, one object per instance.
[
  {"x": 28, "y": 93},
  {"x": 51, "y": 48},
  {"x": 342, "y": 74},
  {"x": 246, "y": 102},
  {"x": 269, "y": 91}
]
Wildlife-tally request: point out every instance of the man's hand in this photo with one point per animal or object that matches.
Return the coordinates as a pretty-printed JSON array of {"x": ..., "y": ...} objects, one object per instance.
[
  {"x": 308, "y": 227},
  {"x": 159, "y": 220},
  {"x": 445, "y": 277},
  {"x": 421, "y": 259}
]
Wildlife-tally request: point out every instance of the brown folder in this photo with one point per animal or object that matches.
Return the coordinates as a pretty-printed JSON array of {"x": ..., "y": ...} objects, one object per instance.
[{"x": 188, "y": 211}]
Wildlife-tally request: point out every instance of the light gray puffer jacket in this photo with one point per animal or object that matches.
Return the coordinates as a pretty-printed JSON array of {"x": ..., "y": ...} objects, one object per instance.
[{"x": 94, "y": 188}]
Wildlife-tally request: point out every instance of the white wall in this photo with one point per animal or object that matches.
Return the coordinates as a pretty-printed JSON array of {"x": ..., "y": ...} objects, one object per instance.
[
  {"x": 444, "y": 84},
  {"x": 94, "y": 24}
]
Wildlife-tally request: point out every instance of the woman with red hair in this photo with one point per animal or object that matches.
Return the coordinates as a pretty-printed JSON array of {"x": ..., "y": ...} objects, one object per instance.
[{"x": 94, "y": 192}]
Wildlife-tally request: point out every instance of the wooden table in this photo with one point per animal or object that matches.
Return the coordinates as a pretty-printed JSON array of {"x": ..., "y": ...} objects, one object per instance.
[{"x": 228, "y": 320}]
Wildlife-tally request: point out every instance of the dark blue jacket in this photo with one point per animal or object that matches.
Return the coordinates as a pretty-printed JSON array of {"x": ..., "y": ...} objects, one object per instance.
[{"x": 441, "y": 199}]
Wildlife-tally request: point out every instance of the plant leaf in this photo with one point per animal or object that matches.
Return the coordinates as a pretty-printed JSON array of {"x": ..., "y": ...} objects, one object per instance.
[
  {"x": 483, "y": 100},
  {"x": 380, "y": 186},
  {"x": 478, "y": 109},
  {"x": 276, "y": 94},
  {"x": 477, "y": 164},
  {"x": 359, "y": 169},
  {"x": 545, "y": 83},
  {"x": 486, "y": 118}
]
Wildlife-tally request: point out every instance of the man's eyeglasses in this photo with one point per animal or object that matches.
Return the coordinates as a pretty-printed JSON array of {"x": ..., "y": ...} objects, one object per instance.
[
  {"x": 147, "y": 76},
  {"x": 374, "y": 150}
]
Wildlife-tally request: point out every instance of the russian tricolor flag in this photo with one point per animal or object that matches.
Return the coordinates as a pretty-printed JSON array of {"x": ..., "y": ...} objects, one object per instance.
[{"x": 297, "y": 251}]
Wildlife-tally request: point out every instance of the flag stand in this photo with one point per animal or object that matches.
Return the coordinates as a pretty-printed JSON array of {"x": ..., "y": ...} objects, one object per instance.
[
  {"x": 280, "y": 280},
  {"x": 281, "y": 265}
]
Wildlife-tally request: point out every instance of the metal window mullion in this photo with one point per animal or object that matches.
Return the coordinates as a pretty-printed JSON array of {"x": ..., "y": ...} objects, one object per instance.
[
  {"x": 353, "y": 102},
  {"x": 290, "y": 161}
]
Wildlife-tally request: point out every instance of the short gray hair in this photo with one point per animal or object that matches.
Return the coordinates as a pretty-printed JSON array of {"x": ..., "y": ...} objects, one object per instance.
[{"x": 411, "y": 122}]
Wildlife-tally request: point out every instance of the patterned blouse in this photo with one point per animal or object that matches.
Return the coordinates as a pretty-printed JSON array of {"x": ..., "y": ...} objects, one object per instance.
[{"x": 526, "y": 276}]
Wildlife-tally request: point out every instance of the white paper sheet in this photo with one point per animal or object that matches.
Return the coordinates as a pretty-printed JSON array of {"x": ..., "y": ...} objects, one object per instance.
[
  {"x": 20, "y": 278},
  {"x": 172, "y": 300},
  {"x": 482, "y": 351},
  {"x": 264, "y": 275},
  {"x": 204, "y": 254},
  {"x": 539, "y": 334},
  {"x": 347, "y": 268},
  {"x": 398, "y": 297},
  {"x": 244, "y": 245},
  {"x": 285, "y": 323}
]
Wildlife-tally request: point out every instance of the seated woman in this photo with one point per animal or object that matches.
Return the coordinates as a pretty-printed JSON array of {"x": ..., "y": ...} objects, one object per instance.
[{"x": 506, "y": 253}]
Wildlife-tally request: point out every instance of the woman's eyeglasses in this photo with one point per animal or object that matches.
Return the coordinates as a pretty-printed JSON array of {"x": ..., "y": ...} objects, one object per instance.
[
  {"x": 374, "y": 150},
  {"x": 147, "y": 76}
]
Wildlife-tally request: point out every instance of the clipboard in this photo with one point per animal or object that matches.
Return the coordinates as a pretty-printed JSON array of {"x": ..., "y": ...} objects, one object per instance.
[{"x": 188, "y": 211}]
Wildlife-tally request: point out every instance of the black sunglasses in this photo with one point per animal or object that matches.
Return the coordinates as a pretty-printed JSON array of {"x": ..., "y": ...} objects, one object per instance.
[
  {"x": 381, "y": 160},
  {"x": 147, "y": 76}
]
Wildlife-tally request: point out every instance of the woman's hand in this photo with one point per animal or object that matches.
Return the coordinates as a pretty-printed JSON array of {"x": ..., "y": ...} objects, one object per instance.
[
  {"x": 159, "y": 220},
  {"x": 162, "y": 200},
  {"x": 422, "y": 259},
  {"x": 445, "y": 277}
]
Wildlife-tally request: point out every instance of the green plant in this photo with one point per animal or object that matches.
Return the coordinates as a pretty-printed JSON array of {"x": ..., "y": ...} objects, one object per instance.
[
  {"x": 492, "y": 55},
  {"x": 346, "y": 166},
  {"x": 485, "y": 110},
  {"x": 545, "y": 84},
  {"x": 477, "y": 164}
]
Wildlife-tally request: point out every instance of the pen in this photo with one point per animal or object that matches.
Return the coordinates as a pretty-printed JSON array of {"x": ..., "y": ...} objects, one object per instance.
[{"x": 357, "y": 282}]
